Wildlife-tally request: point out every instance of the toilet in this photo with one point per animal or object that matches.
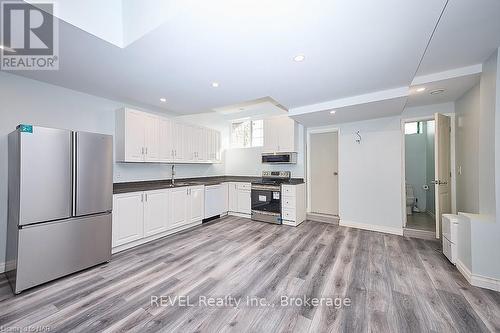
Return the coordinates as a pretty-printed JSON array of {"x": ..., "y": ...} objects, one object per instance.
[{"x": 410, "y": 199}]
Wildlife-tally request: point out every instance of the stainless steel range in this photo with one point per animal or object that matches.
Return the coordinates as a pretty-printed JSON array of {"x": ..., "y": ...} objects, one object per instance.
[{"x": 266, "y": 196}]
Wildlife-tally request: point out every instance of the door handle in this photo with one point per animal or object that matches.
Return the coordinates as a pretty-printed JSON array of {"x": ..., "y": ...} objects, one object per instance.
[{"x": 335, "y": 173}]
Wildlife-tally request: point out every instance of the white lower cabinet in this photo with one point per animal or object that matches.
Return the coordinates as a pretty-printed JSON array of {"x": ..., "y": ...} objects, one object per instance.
[
  {"x": 156, "y": 210},
  {"x": 196, "y": 203},
  {"x": 293, "y": 204},
  {"x": 240, "y": 198},
  {"x": 128, "y": 212},
  {"x": 139, "y": 217},
  {"x": 179, "y": 204}
]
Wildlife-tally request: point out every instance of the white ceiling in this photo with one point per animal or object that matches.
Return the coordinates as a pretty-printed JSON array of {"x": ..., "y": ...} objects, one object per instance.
[
  {"x": 371, "y": 110},
  {"x": 454, "y": 88},
  {"x": 351, "y": 47},
  {"x": 468, "y": 33}
]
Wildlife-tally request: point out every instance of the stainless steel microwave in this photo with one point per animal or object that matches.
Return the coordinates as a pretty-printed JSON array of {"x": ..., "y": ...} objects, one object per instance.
[{"x": 279, "y": 158}]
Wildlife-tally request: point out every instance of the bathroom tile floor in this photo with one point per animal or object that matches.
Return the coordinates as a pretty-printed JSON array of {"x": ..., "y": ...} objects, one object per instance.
[{"x": 421, "y": 221}]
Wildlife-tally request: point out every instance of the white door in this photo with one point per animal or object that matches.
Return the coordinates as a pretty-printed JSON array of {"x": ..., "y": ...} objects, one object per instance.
[
  {"x": 156, "y": 209},
  {"x": 128, "y": 217},
  {"x": 151, "y": 138},
  {"x": 134, "y": 136},
  {"x": 165, "y": 140},
  {"x": 442, "y": 169},
  {"x": 233, "y": 197},
  {"x": 179, "y": 208},
  {"x": 323, "y": 166},
  {"x": 244, "y": 200},
  {"x": 196, "y": 200},
  {"x": 270, "y": 135}
]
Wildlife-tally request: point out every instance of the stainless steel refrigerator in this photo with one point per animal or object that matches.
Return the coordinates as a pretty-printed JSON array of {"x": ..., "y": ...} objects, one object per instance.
[{"x": 59, "y": 203}]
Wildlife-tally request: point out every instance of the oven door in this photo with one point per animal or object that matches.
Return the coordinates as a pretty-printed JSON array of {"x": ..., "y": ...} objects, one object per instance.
[{"x": 266, "y": 203}]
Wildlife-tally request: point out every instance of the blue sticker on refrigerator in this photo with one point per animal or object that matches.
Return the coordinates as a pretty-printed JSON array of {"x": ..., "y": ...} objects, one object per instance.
[{"x": 25, "y": 128}]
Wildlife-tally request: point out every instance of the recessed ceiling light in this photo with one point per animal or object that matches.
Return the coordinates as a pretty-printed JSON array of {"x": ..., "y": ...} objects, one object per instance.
[
  {"x": 421, "y": 89},
  {"x": 6, "y": 48},
  {"x": 299, "y": 58},
  {"x": 215, "y": 84},
  {"x": 163, "y": 100},
  {"x": 437, "y": 91},
  {"x": 333, "y": 111}
]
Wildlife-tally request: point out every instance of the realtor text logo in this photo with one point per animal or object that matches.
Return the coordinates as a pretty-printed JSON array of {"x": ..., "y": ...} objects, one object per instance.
[{"x": 29, "y": 36}]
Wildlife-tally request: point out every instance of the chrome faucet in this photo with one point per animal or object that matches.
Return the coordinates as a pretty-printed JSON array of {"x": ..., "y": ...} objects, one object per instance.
[{"x": 173, "y": 175}]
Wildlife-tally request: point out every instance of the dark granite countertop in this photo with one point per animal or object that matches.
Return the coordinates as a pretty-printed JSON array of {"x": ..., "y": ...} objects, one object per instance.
[{"x": 150, "y": 185}]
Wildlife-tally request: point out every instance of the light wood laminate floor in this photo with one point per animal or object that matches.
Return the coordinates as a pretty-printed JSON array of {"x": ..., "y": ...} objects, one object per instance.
[{"x": 394, "y": 284}]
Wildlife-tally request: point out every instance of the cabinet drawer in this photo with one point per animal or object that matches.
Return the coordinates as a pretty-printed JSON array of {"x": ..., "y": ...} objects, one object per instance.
[
  {"x": 288, "y": 214},
  {"x": 288, "y": 190},
  {"x": 288, "y": 202}
]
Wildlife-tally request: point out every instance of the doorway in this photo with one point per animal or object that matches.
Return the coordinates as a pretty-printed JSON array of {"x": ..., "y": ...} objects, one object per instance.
[
  {"x": 428, "y": 169},
  {"x": 419, "y": 175},
  {"x": 323, "y": 173}
]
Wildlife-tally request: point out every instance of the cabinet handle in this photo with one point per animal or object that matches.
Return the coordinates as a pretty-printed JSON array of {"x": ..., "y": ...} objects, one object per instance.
[
  {"x": 142, "y": 150},
  {"x": 146, "y": 150},
  {"x": 142, "y": 197}
]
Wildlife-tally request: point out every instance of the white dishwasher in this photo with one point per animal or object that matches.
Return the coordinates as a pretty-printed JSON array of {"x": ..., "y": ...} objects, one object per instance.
[{"x": 215, "y": 200}]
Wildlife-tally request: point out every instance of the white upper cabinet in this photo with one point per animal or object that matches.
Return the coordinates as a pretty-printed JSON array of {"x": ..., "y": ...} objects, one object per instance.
[
  {"x": 166, "y": 137},
  {"x": 151, "y": 138},
  {"x": 144, "y": 137},
  {"x": 280, "y": 135},
  {"x": 129, "y": 136}
]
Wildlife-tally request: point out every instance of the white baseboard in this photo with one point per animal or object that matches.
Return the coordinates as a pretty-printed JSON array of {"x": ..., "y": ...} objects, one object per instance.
[
  {"x": 138, "y": 242},
  {"x": 478, "y": 280},
  {"x": 372, "y": 227}
]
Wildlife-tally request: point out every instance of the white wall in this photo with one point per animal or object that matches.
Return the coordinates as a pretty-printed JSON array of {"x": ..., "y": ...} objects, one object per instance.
[
  {"x": 467, "y": 142},
  {"x": 33, "y": 102},
  {"x": 488, "y": 87},
  {"x": 478, "y": 133},
  {"x": 370, "y": 174}
]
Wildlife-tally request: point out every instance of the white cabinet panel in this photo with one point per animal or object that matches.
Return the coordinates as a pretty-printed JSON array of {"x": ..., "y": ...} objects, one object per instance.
[
  {"x": 196, "y": 203},
  {"x": 179, "y": 206},
  {"x": 233, "y": 197},
  {"x": 128, "y": 212},
  {"x": 280, "y": 135},
  {"x": 144, "y": 137},
  {"x": 151, "y": 138},
  {"x": 270, "y": 136},
  {"x": 133, "y": 136},
  {"x": 244, "y": 201},
  {"x": 166, "y": 137},
  {"x": 156, "y": 212},
  {"x": 178, "y": 141}
]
